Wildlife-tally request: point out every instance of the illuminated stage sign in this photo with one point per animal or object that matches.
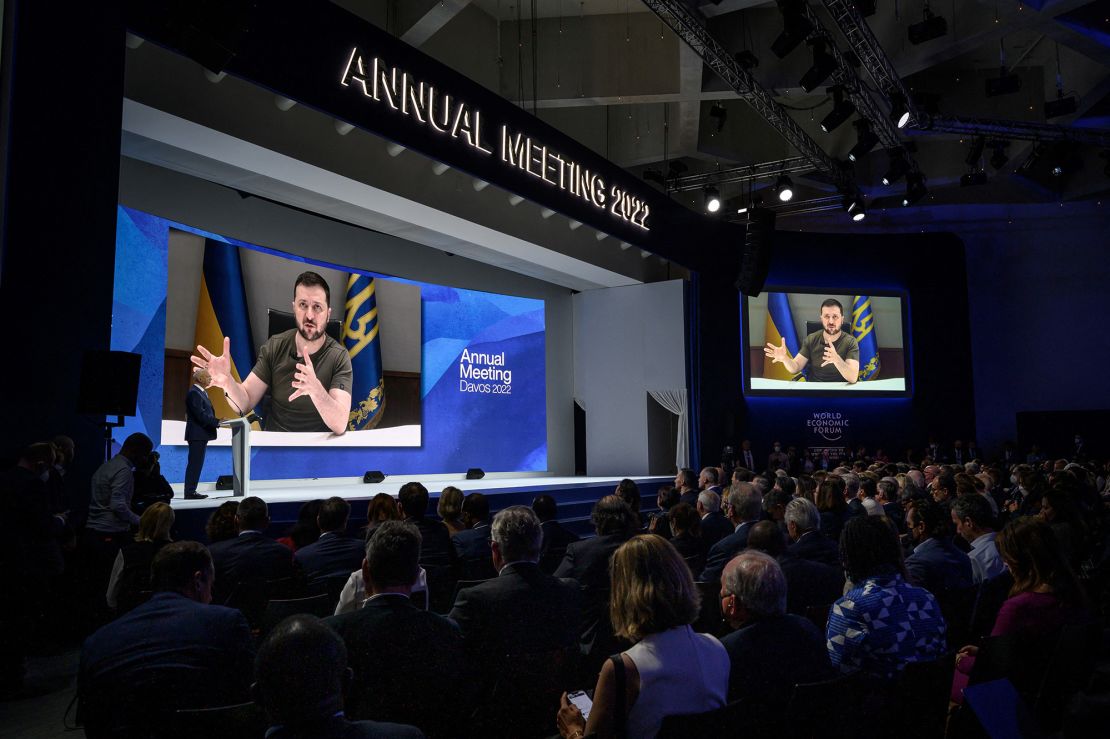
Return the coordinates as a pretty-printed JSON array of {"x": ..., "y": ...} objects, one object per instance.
[{"x": 427, "y": 106}]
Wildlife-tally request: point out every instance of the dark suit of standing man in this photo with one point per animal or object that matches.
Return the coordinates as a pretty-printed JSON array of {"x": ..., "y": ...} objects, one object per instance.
[{"x": 200, "y": 428}]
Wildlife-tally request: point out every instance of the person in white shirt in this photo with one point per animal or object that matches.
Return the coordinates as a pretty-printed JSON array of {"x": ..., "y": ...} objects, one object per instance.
[{"x": 973, "y": 519}]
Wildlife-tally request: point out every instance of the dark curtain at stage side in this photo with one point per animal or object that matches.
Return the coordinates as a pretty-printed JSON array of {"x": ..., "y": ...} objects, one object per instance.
[
  {"x": 715, "y": 353},
  {"x": 929, "y": 267}
]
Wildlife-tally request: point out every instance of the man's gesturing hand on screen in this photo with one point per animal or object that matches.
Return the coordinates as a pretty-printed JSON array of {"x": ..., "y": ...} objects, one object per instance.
[
  {"x": 219, "y": 368},
  {"x": 777, "y": 353}
]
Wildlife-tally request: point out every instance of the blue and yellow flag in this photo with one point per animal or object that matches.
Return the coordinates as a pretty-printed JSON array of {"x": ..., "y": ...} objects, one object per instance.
[
  {"x": 780, "y": 325},
  {"x": 222, "y": 311},
  {"x": 360, "y": 336},
  {"x": 863, "y": 330}
]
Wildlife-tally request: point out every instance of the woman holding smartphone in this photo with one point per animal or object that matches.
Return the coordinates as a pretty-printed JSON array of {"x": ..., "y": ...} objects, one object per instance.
[{"x": 671, "y": 668}]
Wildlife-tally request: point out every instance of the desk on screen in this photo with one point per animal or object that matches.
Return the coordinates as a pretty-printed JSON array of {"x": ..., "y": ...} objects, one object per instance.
[{"x": 895, "y": 384}]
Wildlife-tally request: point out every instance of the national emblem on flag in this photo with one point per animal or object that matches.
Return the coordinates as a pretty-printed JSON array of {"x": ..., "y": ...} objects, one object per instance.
[
  {"x": 863, "y": 330},
  {"x": 363, "y": 343}
]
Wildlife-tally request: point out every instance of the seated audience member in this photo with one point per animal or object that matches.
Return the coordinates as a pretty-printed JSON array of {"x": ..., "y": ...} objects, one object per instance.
[
  {"x": 774, "y": 506},
  {"x": 745, "y": 505},
  {"x": 666, "y": 498},
  {"x": 250, "y": 556},
  {"x": 1046, "y": 594},
  {"x": 450, "y": 509},
  {"x": 131, "y": 572},
  {"x": 174, "y": 651},
  {"x": 686, "y": 535},
  {"x": 307, "y": 529},
  {"x": 221, "y": 524},
  {"x": 472, "y": 549},
  {"x": 709, "y": 479},
  {"x": 382, "y": 508},
  {"x": 1025, "y": 500},
  {"x": 714, "y": 524},
  {"x": 435, "y": 547},
  {"x": 852, "y": 494},
  {"x": 771, "y": 651},
  {"x": 686, "y": 482},
  {"x": 301, "y": 676},
  {"x": 882, "y": 623},
  {"x": 556, "y": 537},
  {"x": 803, "y": 522},
  {"x": 972, "y": 517},
  {"x": 522, "y": 610},
  {"x": 809, "y": 584},
  {"x": 628, "y": 491},
  {"x": 887, "y": 495},
  {"x": 833, "y": 507},
  {"x": 670, "y": 669},
  {"x": 334, "y": 554},
  {"x": 935, "y": 564},
  {"x": 1061, "y": 511},
  {"x": 398, "y": 651},
  {"x": 151, "y": 486},
  {"x": 587, "y": 561},
  {"x": 943, "y": 487}
]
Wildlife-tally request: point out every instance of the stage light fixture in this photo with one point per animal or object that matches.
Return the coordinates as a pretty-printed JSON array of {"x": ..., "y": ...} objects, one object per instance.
[
  {"x": 1060, "y": 106},
  {"x": 1004, "y": 84},
  {"x": 719, "y": 112},
  {"x": 899, "y": 110},
  {"x": 933, "y": 26},
  {"x": 855, "y": 208},
  {"x": 975, "y": 153},
  {"x": 796, "y": 27},
  {"x": 915, "y": 188},
  {"x": 866, "y": 140},
  {"x": 973, "y": 178},
  {"x": 746, "y": 59},
  {"x": 999, "y": 157},
  {"x": 712, "y": 199},
  {"x": 824, "y": 64},
  {"x": 785, "y": 188},
  {"x": 859, "y": 212},
  {"x": 842, "y": 110},
  {"x": 898, "y": 165}
]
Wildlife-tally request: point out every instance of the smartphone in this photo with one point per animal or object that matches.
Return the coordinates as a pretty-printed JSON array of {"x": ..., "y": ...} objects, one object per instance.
[{"x": 582, "y": 701}]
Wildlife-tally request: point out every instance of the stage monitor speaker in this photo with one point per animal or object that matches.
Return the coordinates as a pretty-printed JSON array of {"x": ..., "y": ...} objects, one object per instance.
[
  {"x": 225, "y": 482},
  {"x": 373, "y": 476},
  {"x": 755, "y": 259},
  {"x": 475, "y": 473},
  {"x": 109, "y": 383}
]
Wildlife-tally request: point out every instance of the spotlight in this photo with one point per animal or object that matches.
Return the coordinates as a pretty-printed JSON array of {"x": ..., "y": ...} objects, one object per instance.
[
  {"x": 866, "y": 140},
  {"x": 975, "y": 153},
  {"x": 842, "y": 110},
  {"x": 719, "y": 112},
  {"x": 898, "y": 165},
  {"x": 999, "y": 157},
  {"x": 824, "y": 64},
  {"x": 859, "y": 213},
  {"x": 1057, "y": 170},
  {"x": 934, "y": 26},
  {"x": 796, "y": 27},
  {"x": 915, "y": 188},
  {"x": 899, "y": 110},
  {"x": 712, "y": 199},
  {"x": 785, "y": 188},
  {"x": 973, "y": 178},
  {"x": 855, "y": 207}
]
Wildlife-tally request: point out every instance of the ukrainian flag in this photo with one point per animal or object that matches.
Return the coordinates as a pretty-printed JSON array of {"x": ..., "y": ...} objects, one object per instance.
[
  {"x": 360, "y": 336},
  {"x": 780, "y": 325},
  {"x": 863, "y": 329},
  {"x": 222, "y": 311}
]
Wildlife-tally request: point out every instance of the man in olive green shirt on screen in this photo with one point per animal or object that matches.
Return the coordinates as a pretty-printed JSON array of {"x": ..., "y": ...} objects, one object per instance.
[{"x": 836, "y": 351}]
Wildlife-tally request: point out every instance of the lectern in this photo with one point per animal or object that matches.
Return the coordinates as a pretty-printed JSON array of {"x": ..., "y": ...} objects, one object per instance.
[{"x": 240, "y": 454}]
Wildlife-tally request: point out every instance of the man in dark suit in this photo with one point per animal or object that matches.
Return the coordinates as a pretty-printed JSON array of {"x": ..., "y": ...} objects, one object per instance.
[
  {"x": 803, "y": 525},
  {"x": 521, "y": 611},
  {"x": 686, "y": 482},
  {"x": 714, "y": 525},
  {"x": 472, "y": 544},
  {"x": 174, "y": 651},
  {"x": 200, "y": 428},
  {"x": 709, "y": 479},
  {"x": 886, "y": 493},
  {"x": 556, "y": 537},
  {"x": 770, "y": 651},
  {"x": 808, "y": 584},
  {"x": 935, "y": 564},
  {"x": 435, "y": 546},
  {"x": 398, "y": 650},
  {"x": 301, "y": 676},
  {"x": 250, "y": 556},
  {"x": 745, "y": 506},
  {"x": 334, "y": 554}
]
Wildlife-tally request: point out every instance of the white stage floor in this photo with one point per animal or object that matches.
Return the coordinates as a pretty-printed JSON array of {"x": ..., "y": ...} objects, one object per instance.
[{"x": 353, "y": 488}]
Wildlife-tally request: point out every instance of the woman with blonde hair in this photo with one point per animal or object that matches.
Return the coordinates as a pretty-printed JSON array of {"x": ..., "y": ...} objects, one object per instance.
[
  {"x": 671, "y": 669},
  {"x": 449, "y": 509},
  {"x": 131, "y": 571}
]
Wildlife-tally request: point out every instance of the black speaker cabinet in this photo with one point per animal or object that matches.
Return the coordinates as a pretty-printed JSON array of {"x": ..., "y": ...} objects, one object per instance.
[
  {"x": 109, "y": 383},
  {"x": 755, "y": 260}
]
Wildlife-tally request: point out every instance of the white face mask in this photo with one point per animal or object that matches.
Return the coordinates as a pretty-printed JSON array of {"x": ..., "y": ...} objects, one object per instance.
[
  {"x": 1013, "y": 479},
  {"x": 45, "y": 475}
]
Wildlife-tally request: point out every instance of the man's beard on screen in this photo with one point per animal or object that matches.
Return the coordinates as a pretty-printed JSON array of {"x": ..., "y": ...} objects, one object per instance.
[{"x": 305, "y": 332}]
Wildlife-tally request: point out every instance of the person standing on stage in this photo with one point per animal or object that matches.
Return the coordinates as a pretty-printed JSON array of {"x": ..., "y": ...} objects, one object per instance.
[
  {"x": 309, "y": 371},
  {"x": 200, "y": 428},
  {"x": 839, "y": 352}
]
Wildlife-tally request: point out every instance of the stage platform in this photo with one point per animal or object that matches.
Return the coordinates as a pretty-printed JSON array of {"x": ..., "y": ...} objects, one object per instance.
[{"x": 575, "y": 496}]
